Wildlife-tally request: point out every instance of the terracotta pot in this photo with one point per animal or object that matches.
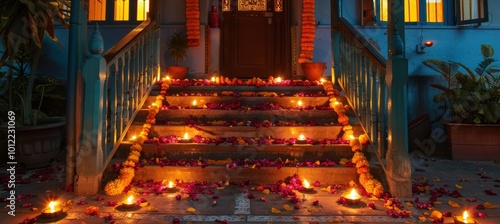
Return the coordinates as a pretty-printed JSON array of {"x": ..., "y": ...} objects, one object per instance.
[
  {"x": 313, "y": 70},
  {"x": 472, "y": 141},
  {"x": 37, "y": 146},
  {"x": 177, "y": 72}
]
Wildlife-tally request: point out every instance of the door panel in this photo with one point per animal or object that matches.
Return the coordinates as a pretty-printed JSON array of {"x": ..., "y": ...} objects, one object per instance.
[
  {"x": 255, "y": 43},
  {"x": 253, "y": 49}
]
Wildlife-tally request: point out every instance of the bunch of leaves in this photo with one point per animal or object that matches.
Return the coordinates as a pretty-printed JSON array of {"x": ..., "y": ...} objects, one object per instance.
[{"x": 470, "y": 96}]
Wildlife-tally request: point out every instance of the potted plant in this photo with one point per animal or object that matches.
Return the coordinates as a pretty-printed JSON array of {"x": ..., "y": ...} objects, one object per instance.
[
  {"x": 471, "y": 99},
  {"x": 22, "y": 29},
  {"x": 177, "y": 49}
]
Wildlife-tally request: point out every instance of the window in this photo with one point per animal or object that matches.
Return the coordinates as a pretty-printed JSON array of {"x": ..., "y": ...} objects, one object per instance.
[
  {"x": 97, "y": 10},
  {"x": 437, "y": 11},
  {"x": 471, "y": 11},
  {"x": 142, "y": 9},
  {"x": 119, "y": 10},
  {"x": 415, "y": 10}
]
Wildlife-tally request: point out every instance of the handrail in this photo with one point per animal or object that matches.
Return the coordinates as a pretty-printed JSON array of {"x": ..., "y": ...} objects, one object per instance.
[
  {"x": 126, "y": 40},
  {"x": 362, "y": 78},
  {"x": 361, "y": 40},
  {"x": 132, "y": 67}
]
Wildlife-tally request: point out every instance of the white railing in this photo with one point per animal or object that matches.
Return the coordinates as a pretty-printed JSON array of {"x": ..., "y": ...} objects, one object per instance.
[
  {"x": 132, "y": 67},
  {"x": 363, "y": 81}
]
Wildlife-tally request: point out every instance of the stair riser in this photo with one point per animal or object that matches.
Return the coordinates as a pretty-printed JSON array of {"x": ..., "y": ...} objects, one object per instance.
[
  {"x": 334, "y": 175},
  {"x": 224, "y": 151},
  {"x": 313, "y": 132},
  {"x": 287, "y": 90},
  {"x": 322, "y": 116},
  {"x": 187, "y": 101}
]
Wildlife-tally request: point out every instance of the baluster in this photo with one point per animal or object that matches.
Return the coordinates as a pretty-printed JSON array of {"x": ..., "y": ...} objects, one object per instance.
[
  {"x": 119, "y": 95},
  {"x": 373, "y": 103},
  {"x": 382, "y": 125},
  {"x": 105, "y": 140},
  {"x": 126, "y": 90},
  {"x": 133, "y": 76},
  {"x": 362, "y": 90},
  {"x": 112, "y": 104},
  {"x": 369, "y": 88}
]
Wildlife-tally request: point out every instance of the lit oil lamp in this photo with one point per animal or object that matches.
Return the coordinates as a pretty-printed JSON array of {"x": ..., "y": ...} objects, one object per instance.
[
  {"x": 195, "y": 104},
  {"x": 167, "y": 77},
  {"x": 129, "y": 202},
  {"x": 52, "y": 210},
  {"x": 299, "y": 103},
  {"x": 170, "y": 186},
  {"x": 351, "y": 137},
  {"x": 322, "y": 80},
  {"x": 278, "y": 80},
  {"x": 134, "y": 137},
  {"x": 301, "y": 140},
  {"x": 464, "y": 219},
  {"x": 307, "y": 186},
  {"x": 212, "y": 79},
  {"x": 352, "y": 198},
  {"x": 185, "y": 139}
]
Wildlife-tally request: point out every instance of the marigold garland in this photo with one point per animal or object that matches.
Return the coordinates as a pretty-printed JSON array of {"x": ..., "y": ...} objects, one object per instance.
[
  {"x": 366, "y": 179},
  {"x": 127, "y": 171},
  {"x": 308, "y": 31},
  {"x": 193, "y": 22}
]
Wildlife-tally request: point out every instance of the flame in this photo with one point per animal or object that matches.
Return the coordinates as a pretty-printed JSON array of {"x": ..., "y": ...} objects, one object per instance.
[
  {"x": 168, "y": 77},
  {"x": 278, "y": 79},
  {"x": 52, "y": 206},
  {"x": 194, "y": 102},
  {"x": 354, "y": 194},
  {"x": 351, "y": 137},
  {"x": 130, "y": 199},
  {"x": 306, "y": 184},
  {"x": 299, "y": 103},
  {"x": 186, "y": 136},
  {"x": 336, "y": 103},
  {"x": 133, "y": 137},
  {"x": 170, "y": 184},
  {"x": 301, "y": 137},
  {"x": 213, "y": 79},
  {"x": 322, "y": 80},
  {"x": 153, "y": 104},
  {"x": 465, "y": 216}
]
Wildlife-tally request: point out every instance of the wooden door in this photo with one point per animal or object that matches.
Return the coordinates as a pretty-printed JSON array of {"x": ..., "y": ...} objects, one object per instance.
[{"x": 255, "y": 43}]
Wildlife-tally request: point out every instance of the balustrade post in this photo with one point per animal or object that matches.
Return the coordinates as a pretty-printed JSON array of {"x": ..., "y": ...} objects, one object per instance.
[
  {"x": 89, "y": 160},
  {"x": 398, "y": 166}
]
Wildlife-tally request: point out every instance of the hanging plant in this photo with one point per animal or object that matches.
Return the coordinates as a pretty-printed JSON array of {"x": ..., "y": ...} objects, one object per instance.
[
  {"x": 308, "y": 31},
  {"x": 193, "y": 22}
]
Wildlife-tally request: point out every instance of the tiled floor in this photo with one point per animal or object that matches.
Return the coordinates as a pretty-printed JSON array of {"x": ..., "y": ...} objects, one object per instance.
[{"x": 234, "y": 207}]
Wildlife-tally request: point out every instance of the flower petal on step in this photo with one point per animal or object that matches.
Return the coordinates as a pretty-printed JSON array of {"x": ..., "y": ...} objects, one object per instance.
[
  {"x": 275, "y": 211},
  {"x": 489, "y": 205},
  {"x": 458, "y": 186},
  {"x": 453, "y": 204},
  {"x": 190, "y": 209},
  {"x": 287, "y": 207},
  {"x": 490, "y": 192},
  {"x": 436, "y": 214}
]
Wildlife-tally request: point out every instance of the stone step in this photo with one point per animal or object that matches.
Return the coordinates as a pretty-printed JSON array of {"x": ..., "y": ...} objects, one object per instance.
[
  {"x": 265, "y": 175},
  {"x": 301, "y": 152},
  {"x": 285, "y": 101},
  {"x": 205, "y": 115},
  {"x": 313, "y": 132},
  {"x": 287, "y": 90}
]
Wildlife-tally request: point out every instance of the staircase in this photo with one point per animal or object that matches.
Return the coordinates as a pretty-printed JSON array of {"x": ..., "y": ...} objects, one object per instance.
[{"x": 239, "y": 133}]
